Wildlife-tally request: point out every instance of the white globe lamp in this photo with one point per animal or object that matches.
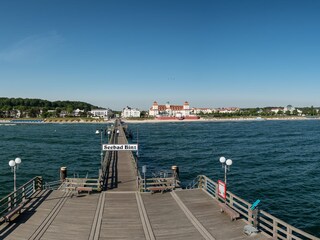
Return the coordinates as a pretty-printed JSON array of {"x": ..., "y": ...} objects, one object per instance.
[
  {"x": 12, "y": 163},
  {"x": 222, "y": 159},
  {"x": 229, "y": 162}
]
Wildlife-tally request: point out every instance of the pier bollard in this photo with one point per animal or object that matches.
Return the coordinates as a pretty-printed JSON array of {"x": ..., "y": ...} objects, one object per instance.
[{"x": 63, "y": 173}]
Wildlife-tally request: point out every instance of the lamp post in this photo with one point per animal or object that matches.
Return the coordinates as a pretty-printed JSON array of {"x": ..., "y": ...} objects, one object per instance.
[
  {"x": 226, "y": 164},
  {"x": 100, "y": 132},
  {"x": 14, "y": 166},
  {"x": 109, "y": 132}
]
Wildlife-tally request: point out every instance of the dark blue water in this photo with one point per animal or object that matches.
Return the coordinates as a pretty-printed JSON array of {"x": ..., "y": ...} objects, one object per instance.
[
  {"x": 44, "y": 148},
  {"x": 277, "y": 162}
]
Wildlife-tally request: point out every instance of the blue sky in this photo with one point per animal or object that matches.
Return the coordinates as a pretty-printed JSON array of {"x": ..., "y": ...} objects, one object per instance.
[{"x": 114, "y": 53}]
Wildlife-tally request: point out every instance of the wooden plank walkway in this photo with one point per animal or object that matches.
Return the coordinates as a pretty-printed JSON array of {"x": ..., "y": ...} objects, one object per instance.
[
  {"x": 207, "y": 212},
  {"x": 185, "y": 214},
  {"x": 168, "y": 221},
  {"x": 121, "y": 218},
  {"x": 126, "y": 169},
  {"x": 119, "y": 172}
]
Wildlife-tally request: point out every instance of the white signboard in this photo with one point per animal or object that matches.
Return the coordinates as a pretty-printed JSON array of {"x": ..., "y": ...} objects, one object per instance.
[
  {"x": 222, "y": 189},
  {"x": 120, "y": 147}
]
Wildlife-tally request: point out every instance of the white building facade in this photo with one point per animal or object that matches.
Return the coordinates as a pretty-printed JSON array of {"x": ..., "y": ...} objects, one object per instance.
[
  {"x": 170, "y": 110},
  {"x": 101, "y": 113},
  {"x": 202, "y": 110},
  {"x": 129, "y": 112}
]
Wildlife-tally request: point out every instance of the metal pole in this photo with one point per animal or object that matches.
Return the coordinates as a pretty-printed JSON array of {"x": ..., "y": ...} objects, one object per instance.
[
  {"x": 101, "y": 147},
  {"x": 225, "y": 182},
  {"x": 144, "y": 178},
  {"x": 14, "y": 179},
  {"x": 14, "y": 185},
  {"x": 225, "y": 174}
]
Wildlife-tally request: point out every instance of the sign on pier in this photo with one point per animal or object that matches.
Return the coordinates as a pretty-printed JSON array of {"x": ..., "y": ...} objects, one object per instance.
[
  {"x": 222, "y": 189},
  {"x": 120, "y": 147}
]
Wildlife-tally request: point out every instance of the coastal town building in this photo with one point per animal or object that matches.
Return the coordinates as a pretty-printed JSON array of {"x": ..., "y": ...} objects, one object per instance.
[
  {"x": 170, "y": 110},
  {"x": 100, "y": 113},
  {"x": 228, "y": 110},
  {"x": 77, "y": 112},
  {"x": 276, "y": 110},
  {"x": 202, "y": 110},
  {"x": 129, "y": 112}
]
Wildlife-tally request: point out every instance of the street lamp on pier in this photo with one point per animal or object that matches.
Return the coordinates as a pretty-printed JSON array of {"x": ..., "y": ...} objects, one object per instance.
[
  {"x": 226, "y": 163},
  {"x": 14, "y": 166}
]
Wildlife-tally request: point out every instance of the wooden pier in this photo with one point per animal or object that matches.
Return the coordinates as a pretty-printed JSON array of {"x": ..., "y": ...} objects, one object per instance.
[{"x": 123, "y": 211}]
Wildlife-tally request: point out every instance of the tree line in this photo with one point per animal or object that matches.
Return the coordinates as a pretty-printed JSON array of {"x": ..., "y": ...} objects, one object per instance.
[
  {"x": 33, "y": 107},
  {"x": 265, "y": 112}
]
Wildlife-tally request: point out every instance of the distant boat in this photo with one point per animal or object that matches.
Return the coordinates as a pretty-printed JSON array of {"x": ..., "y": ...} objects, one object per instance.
[{"x": 260, "y": 118}]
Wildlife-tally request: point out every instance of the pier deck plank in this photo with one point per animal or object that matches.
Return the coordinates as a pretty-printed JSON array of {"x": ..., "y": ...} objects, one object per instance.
[
  {"x": 27, "y": 223},
  {"x": 126, "y": 170},
  {"x": 74, "y": 220},
  {"x": 121, "y": 219},
  {"x": 205, "y": 209},
  {"x": 167, "y": 219}
]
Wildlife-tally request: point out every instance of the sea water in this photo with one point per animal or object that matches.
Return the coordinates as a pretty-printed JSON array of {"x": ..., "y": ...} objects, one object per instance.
[{"x": 277, "y": 162}]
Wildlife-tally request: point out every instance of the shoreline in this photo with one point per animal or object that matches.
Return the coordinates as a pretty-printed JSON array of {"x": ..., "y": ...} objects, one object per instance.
[
  {"x": 220, "y": 120},
  {"x": 61, "y": 121}
]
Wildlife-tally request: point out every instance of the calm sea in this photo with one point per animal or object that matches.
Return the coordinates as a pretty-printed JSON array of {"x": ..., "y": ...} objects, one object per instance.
[{"x": 277, "y": 162}]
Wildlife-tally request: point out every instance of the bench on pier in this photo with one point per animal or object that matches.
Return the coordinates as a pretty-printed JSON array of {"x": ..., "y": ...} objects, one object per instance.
[
  {"x": 161, "y": 189},
  {"x": 228, "y": 210},
  {"x": 16, "y": 209},
  {"x": 84, "y": 189}
]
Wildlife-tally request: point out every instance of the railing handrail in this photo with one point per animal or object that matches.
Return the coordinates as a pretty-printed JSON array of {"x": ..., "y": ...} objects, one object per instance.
[
  {"x": 243, "y": 207},
  {"x": 21, "y": 195},
  {"x": 80, "y": 182},
  {"x": 52, "y": 185},
  {"x": 23, "y": 186}
]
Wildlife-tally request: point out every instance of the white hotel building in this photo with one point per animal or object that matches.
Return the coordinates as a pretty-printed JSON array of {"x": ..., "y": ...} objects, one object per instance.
[{"x": 170, "y": 110}]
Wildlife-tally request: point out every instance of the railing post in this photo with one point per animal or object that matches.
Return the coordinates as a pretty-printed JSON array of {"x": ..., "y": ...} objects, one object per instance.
[
  {"x": 216, "y": 191},
  {"x": 40, "y": 182},
  {"x": 23, "y": 194},
  {"x": 34, "y": 185},
  {"x": 230, "y": 200},
  {"x": 200, "y": 182},
  {"x": 274, "y": 228},
  {"x": 206, "y": 185},
  {"x": 9, "y": 203},
  {"x": 255, "y": 213},
  {"x": 289, "y": 233}
]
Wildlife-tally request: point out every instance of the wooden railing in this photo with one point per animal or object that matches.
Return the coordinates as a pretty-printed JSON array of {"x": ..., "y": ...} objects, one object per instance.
[
  {"x": 73, "y": 183},
  {"x": 54, "y": 185},
  {"x": 265, "y": 222},
  {"x": 163, "y": 184},
  {"x": 20, "y": 196},
  {"x": 104, "y": 168}
]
